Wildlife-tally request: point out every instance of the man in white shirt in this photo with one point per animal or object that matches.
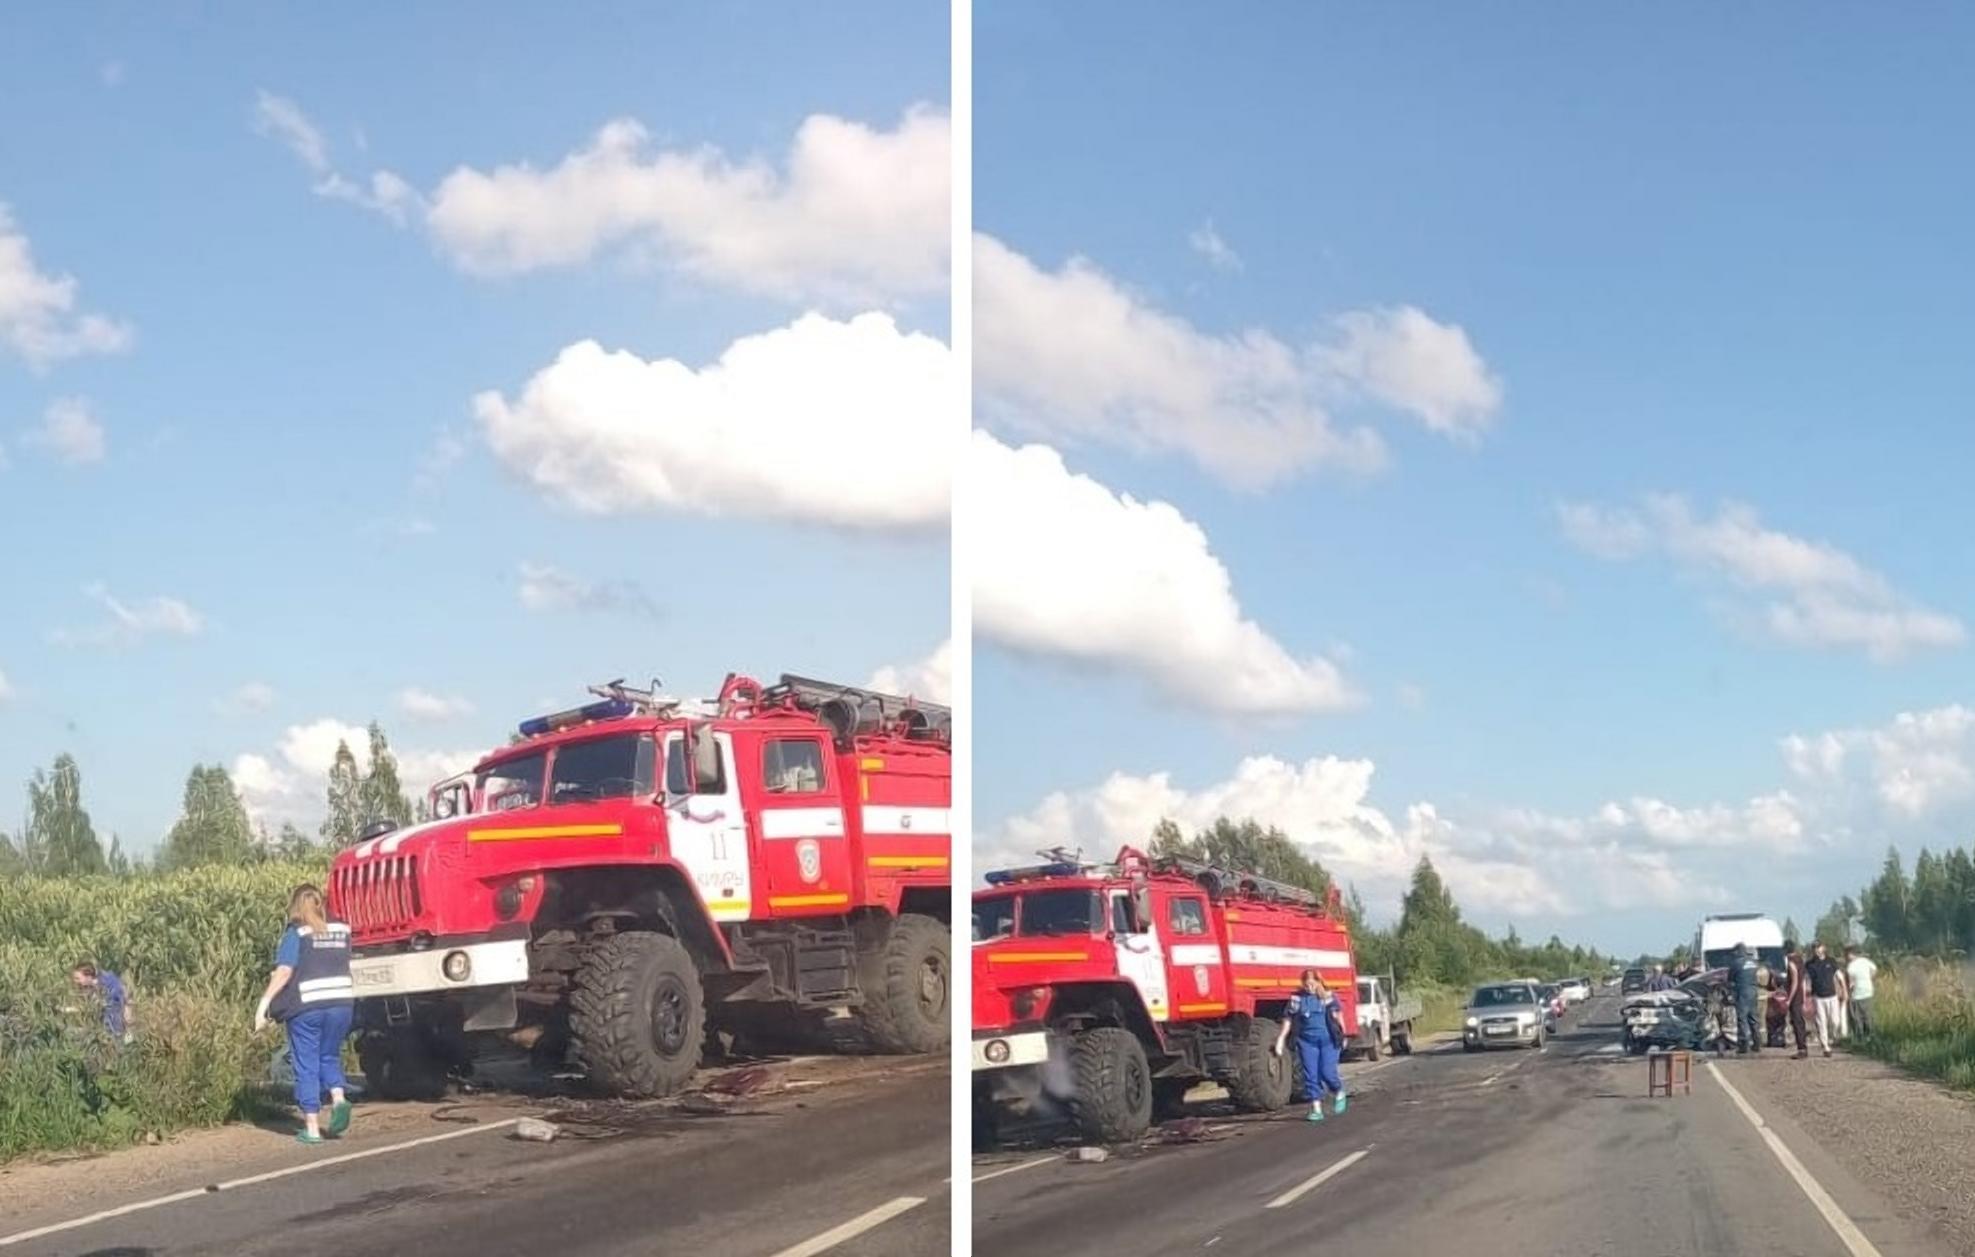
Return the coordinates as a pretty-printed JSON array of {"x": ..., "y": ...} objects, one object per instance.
[{"x": 1859, "y": 971}]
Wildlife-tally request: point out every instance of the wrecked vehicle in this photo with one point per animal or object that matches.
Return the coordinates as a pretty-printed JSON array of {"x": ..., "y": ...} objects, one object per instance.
[{"x": 1697, "y": 1015}]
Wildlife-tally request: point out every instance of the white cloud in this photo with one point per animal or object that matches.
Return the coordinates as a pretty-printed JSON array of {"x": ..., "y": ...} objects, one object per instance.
[
  {"x": 70, "y": 433},
  {"x": 1819, "y": 594},
  {"x": 250, "y": 699},
  {"x": 38, "y": 316},
  {"x": 1208, "y": 244},
  {"x": 930, "y": 678},
  {"x": 543, "y": 587},
  {"x": 448, "y": 447},
  {"x": 823, "y": 422},
  {"x": 383, "y": 192},
  {"x": 1076, "y": 571},
  {"x": 424, "y": 705},
  {"x": 1072, "y": 355},
  {"x": 131, "y": 622},
  {"x": 291, "y": 783},
  {"x": 1918, "y": 766},
  {"x": 855, "y": 216}
]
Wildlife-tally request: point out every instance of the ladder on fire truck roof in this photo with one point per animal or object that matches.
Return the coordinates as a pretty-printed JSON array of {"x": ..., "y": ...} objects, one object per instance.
[
  {"x": 1218, "y": 881},
  {"x": 852, "y": 710}
]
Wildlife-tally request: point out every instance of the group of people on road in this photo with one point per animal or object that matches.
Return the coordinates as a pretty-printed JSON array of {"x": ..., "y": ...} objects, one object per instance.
[
  {"x": 1833, "y": 997},
  {"x": 309, "y": 992}
]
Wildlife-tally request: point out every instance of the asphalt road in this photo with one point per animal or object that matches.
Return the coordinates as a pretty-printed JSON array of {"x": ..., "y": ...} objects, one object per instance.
[
  {"x": 1510, "y": 1153},
  {"x": 648, "y": 1180}
]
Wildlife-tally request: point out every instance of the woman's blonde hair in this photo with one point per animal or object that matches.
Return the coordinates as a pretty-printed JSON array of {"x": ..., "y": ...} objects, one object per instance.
[
  {"x": 1311, "y": 975},
  {"x": 305, "y": 907}
]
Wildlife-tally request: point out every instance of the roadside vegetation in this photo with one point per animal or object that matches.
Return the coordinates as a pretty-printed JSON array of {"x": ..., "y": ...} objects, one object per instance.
[{"x": 190, "y": 928}]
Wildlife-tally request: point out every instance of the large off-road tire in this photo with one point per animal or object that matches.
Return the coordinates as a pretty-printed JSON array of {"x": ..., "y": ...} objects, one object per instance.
[
  {"x": 1263, "y": 1081},
  {"x": 400, "y": 1065},
  {"x": 1373, "y": 1047},
  {"x": 637, "y": 1017},
  {"x": 906, "y": 979},
  {"x": 1402, "y": 1039},
  {"x": 1113, "y": 1100}
]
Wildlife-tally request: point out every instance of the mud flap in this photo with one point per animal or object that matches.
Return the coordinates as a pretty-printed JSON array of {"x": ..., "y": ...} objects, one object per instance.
[{"x": 488, "y": 1008}]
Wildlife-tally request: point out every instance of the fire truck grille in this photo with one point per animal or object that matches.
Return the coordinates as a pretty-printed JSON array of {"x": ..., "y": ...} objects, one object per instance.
[{"x": 379, "y": 895}]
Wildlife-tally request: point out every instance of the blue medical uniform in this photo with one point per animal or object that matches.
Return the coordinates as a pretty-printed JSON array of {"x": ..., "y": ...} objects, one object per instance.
[
  {"x": 114, "y": 999},
  {"x": 315, "y": 1007},
  {"x": 1315, "y": 1049}
]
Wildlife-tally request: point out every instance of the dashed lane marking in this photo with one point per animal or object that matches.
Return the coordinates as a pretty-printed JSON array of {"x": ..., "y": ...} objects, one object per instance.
[
  {"x": 1013, "y": 1169},
  {"x": 855, "y": 1227},
  {"x": 1317, "y": 1180}
]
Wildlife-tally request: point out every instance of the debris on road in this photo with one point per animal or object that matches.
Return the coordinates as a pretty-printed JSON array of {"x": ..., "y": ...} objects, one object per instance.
[
  {"x": 535, "y": 1130},
  {"x": 1190, "y": 1130},
  {"x": 1090, "y": 1153},
  {"x": 739, "y": 1082},
  {"x": 705, "y": 1102}
]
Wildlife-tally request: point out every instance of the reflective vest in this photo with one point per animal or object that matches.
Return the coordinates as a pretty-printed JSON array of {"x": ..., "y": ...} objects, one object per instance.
[{"x": 322, "y": 973}]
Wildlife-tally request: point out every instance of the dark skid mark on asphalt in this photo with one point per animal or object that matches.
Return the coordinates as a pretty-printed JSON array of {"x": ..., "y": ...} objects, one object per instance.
[{"x": 118, "y": 1252}]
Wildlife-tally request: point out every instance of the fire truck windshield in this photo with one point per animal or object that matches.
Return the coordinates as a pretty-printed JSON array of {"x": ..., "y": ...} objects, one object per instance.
[
  {"x": 1037, "y": 913},
  {"x": 514, "y": 783},
  {"x": 602, "y": 768}
]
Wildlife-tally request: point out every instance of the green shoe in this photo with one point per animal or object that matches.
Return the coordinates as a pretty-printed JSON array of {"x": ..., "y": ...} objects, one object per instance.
[
  {"x": 1339, "y": 1107},
  {"x": 339, "y": 1117},
  {"x": 1315, "y": 1115},
  {"x": 303, "y": 1137}
]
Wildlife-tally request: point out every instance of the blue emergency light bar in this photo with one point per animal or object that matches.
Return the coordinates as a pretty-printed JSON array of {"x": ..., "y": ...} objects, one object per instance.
[
  {"x": 1002, "y": 877},
  {"x": 608, "y": 709}
]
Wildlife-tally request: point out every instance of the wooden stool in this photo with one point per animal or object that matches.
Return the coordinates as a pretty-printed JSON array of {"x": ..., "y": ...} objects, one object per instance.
[{"x": 1666, "y": 1069}]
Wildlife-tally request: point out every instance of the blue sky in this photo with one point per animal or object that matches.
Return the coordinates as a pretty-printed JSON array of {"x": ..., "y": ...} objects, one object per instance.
[
  {"x": 1718, "y": 256},
  {"x": 250, "y": 492}
]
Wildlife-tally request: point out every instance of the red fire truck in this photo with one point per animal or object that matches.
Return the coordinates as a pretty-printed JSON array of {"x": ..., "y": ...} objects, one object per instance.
[
  {"x": 1113, "y": 989},
  {"x": 630, "y": 875}
]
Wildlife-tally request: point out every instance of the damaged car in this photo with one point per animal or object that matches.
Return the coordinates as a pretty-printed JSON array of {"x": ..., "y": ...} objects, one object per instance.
[{"x": 1697, "y": 1015}]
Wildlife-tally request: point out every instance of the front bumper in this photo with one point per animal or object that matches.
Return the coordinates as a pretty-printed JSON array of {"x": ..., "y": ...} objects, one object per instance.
[
  {"x": 1480, "y": 1036},
  {"x": 1007, "y": 1050},
  {"x": 499, "y": 963}
]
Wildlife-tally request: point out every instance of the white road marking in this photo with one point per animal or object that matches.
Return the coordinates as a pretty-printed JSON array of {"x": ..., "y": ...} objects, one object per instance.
[
  {"x": 853, "y": 1228},
  {"x": 231, "y": 1184},
  {"x": 1013, "y": 1169},
  {"x": 1317, "y": 1180},
  {"x": 1847, "y": 1230}
]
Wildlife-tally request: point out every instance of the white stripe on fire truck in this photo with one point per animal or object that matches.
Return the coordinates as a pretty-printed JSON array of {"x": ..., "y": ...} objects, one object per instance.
[
  {"x": 802, "y": 822},
  {"x": 1196, "y": 954},
  {"x": 1311, "y": 957},
  {"x": 907, "y": 820}
]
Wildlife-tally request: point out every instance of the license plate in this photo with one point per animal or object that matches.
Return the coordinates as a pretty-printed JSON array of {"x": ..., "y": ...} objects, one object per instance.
[
  {"x": 373, "y": 975},
  {"x": 1498, "y": 1029}
]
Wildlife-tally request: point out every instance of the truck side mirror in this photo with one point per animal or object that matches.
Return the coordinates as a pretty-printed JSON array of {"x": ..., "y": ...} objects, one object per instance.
[{"x": 706, "y": 760}]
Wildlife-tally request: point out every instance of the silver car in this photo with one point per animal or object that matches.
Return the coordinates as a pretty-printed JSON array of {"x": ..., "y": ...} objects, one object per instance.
[{"x": 1504, "y": 1014}]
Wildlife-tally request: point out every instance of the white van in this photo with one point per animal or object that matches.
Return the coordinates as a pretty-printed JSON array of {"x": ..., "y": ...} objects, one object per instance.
[{"x": 1714, "y": 942}]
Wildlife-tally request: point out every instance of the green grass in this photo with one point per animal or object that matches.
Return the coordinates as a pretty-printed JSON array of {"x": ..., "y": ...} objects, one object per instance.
[
  {"x": 1924, "y": 1021},
  {"x": 194, "y": 948}
]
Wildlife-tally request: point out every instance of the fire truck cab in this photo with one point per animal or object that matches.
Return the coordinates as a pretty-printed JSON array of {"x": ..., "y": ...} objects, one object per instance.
[
  {"x": 1110, "y": 990},
  {"x": 630, "y": 875}
]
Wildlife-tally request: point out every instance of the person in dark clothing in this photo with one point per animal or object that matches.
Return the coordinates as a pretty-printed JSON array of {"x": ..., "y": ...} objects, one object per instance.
[
  {"x": 1742, "y": 968},
  {"x": 1827, "y": 987},
  {"x": 1794, "y": 994},
  {"x": 1661, "y": 980}
]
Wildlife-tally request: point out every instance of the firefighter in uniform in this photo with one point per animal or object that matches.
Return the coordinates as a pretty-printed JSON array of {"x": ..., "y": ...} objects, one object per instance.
[
  {"x": 1313, "y": 1014},
  {"x": 310, "y": 993}
]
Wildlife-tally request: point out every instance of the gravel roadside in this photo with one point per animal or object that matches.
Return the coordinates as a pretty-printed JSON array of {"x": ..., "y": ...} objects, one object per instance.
[{"x": 1906, "y": 1137}]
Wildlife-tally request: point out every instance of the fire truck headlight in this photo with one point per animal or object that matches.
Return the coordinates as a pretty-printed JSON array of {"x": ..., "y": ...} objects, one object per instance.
[
  {"x": 457, "y": 966},
  {"x": 997, "y": 1051},
  {"x": 507, "y": 900},
  {"x": 1026, "y": 1002}
]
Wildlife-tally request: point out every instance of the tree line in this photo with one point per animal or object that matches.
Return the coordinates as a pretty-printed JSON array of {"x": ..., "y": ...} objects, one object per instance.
[
  {"x": 1931, "y": 912},
  {"x": 1430, "y": 943},
  {"x": 56, "y": 838}
]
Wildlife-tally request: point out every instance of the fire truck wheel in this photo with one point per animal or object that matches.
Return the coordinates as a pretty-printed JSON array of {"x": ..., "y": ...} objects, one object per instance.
[
  {"x": 905, "y": 983},
  {"x": 398, "y": 1065},
  {"x": 1263, "y": 1081},
  {"x": 1372, "y": 1047},
  {"x": 637, "y": 1016},
  {"x": 1113, "y": 1099}
]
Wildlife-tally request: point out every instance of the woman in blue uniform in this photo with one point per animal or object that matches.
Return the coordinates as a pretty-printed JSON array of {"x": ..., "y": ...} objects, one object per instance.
[
  {"x": 1318, "y": 1047},
  {"x": 310, "y": 993}
]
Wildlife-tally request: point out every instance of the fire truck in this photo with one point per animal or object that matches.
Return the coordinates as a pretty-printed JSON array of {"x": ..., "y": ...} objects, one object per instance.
[
  {"x": 634, "y": 875},
  {"x": 1110, "y": 990}
]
